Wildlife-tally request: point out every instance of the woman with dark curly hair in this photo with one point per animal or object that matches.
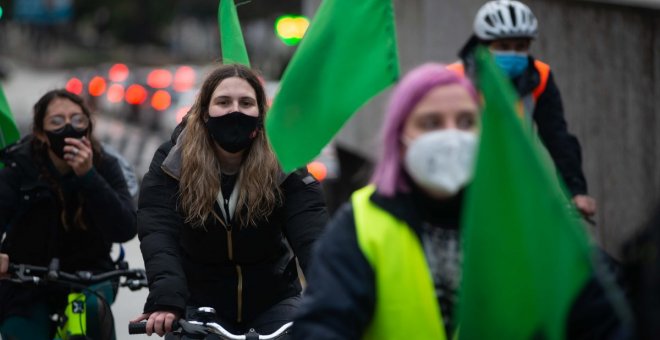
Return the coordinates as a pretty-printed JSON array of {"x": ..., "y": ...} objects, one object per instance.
[{"x": 61, "y": 197}]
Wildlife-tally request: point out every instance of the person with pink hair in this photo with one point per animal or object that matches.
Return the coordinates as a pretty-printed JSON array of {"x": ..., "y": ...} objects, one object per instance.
[
  {"x": 389, "y": 263},
  {"x": 397, "y": 241}
]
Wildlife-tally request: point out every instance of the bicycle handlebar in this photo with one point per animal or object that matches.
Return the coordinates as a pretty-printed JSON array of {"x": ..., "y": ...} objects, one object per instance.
[
  {"x": 205, "y": 328},
  {"x": 23, "y": 273}
]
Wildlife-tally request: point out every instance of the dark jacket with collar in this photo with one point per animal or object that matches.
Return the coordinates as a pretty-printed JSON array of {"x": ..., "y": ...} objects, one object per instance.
[
  {"x": 240, "y": 271},
  {"x": 564, "y": 148},
  {"x": 340, "y": 297},
  {"x": 30, "y": 215}
]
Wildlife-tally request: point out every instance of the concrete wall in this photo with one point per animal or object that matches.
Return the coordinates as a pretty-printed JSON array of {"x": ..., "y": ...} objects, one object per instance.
[{"x": 606, "y": 59}]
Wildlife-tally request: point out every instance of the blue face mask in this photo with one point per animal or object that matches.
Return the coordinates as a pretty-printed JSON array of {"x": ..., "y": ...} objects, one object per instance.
[{"x": 513, "y": 63}]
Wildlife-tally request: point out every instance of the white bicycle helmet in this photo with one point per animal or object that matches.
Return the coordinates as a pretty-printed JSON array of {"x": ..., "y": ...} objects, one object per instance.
[{"x": 502, "y": 19}]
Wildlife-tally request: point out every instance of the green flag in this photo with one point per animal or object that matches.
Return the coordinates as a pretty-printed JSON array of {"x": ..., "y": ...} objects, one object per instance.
[
  {"x": 526, "y": 254},
  {"x": 348, "y": 55},
  {"x": 8, "y": 129},
  {"x": 231, "y": 36}
]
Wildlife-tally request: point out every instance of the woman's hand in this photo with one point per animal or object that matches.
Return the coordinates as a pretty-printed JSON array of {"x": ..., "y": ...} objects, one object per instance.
[
  {"x": 585, "y": 204},
  {"x": 159, "y": 322},
  {"x": 78, "y": 155},
  {"x": 4, "y": 266}
]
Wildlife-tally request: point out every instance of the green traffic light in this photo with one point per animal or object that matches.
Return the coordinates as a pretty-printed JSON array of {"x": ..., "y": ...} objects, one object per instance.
[
  {"x": 291, "y": 28},
  {"x": 0, "y": 12}
]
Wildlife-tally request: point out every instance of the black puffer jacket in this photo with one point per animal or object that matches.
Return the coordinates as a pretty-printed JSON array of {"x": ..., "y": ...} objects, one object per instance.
[
  {"x": 240, "y": 271},
  {"x": 30, "y": 216},
  {"x": 552, "y": 128}
]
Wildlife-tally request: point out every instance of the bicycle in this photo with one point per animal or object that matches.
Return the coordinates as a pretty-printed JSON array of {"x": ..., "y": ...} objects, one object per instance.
[
  {"x": 72, "y": 321},
  {"x": 197, "y": 329}
]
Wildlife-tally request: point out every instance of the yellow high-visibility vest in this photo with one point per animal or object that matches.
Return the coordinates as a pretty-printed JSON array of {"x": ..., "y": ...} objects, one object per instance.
[{"x": 406, "y": 303}]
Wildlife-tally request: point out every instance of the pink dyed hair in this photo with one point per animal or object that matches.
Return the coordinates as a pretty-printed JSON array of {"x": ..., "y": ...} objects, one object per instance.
[{"x": 388, "y": 176}]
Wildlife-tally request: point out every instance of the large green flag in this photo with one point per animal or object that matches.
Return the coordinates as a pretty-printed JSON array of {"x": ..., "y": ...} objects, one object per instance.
[
  {"x": 8, "y": 129},
  {"x": 526, "y": 254},
  {"x": 231, "y": 36},
  {"x": 348, "y": 55}
]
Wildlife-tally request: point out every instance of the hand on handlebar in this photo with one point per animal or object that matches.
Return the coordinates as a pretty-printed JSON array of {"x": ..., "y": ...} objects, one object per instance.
[
  {"x": 4, "y": 266},
  {"x": 159, "y": 322}
]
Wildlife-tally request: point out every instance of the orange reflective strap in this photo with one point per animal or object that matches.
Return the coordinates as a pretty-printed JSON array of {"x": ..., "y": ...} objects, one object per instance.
[
  {"x": 544, "y": 72},
  {"x": 457, "y": 67}
]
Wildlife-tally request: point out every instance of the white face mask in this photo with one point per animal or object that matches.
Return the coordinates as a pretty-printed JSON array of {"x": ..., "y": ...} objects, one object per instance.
[{"x": 441, "y": 161}]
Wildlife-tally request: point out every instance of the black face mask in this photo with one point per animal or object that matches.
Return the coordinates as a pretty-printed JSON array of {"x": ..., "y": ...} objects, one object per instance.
[
  {"x": 56, "y": 138},
  {"x": 233, "y": 131}
]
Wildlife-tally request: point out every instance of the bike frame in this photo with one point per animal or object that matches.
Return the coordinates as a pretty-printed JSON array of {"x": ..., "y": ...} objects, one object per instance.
[{"x": 75, "y": 317}]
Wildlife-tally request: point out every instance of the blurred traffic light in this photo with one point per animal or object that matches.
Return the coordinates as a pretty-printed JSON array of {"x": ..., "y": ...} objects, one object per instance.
[
  {"x": 96, "y": 86},
  {"x": 136, "y": 94},
  {"x": 1, "y": 12},
  {"x": 161, "y": 100},
  {"x": 180, "y": 113},
  {"x": 74, "y": 85},
  {"x": 115, "y": 93},
  {"x": 318, "y": 170},
  {"x": 184, "y": 79},
  {"x": 291, "y": 28},
  {"x": 159, "y": 78},
  {"x": 118, "y": 73}
]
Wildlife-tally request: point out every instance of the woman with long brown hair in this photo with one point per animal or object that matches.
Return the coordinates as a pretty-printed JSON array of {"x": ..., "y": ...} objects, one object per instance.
[
  {"x": 216, "y": 213},
  {"x": 61, "y": 197}
]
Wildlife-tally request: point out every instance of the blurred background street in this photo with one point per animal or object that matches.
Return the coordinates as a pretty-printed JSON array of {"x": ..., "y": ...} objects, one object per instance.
[{"x": 140, "y": 63}]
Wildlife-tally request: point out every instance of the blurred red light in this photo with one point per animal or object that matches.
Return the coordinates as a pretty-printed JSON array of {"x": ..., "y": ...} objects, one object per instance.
[
  {"x": 118, "y": 72},
  {"x": 159, "y": 78},
  {"x": 74, "y": 85},
  {"x": 96, "y": 86},
  {"x": 184, "y": 79},
  {"x": 115, "y": 93},
  {"x": 318, "y": 170},
  {"x": 161, "y": 100},
  {"x": 180, "y": 113},
  {"x": 136, "y": 94}
]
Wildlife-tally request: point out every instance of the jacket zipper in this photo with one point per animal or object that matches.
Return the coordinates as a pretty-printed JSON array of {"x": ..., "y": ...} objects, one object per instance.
[
  {"x": 239, "y": 271},
  {"x": 239, "y": 316},
  {"x": 230, "y": 251}
]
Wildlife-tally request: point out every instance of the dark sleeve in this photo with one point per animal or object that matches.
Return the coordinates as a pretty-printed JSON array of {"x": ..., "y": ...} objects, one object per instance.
[
  {"x": 8, "y": 196},
  {"x": 108, "y": 201},
  {"x": 339, "y": 300},
  {"x": 564, "y": 147},
  {"x": 306, "y": 214},
  {"x": 159, "y": 226}
]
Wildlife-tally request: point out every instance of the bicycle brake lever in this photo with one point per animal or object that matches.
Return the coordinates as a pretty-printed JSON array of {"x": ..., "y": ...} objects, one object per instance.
[
  {"x": 194, "y": 327},
  {"x": 135, "y": 284},
  {"x": 53, "y": 269},
  {"x": 19, "y": 272}
]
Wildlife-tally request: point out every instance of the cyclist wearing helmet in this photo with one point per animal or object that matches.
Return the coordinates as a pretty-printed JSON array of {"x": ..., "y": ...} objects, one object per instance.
[
  {"x": 389, "y": 263},
  {"x": 508, "y": 27}
]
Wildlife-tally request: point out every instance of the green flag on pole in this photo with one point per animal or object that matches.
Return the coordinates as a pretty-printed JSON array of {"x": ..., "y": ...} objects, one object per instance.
[
  {"x": 231, "y": 36},
  {"x": 526, "y": 254},
  {"x": 348, "y": 55},
  {"x": 8, "y": 129}
]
